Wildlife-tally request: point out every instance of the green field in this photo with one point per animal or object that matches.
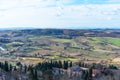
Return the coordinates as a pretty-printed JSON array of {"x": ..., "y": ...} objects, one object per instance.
[
  {"x": 89, "y": 47},
  {"x": 114, "y": 41}
]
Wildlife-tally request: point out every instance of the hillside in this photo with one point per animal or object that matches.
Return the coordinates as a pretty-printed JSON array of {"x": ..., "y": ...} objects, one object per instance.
[{"x": 60, "y": 44}]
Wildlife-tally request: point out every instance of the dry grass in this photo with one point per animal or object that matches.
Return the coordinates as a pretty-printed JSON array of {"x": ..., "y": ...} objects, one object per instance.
[
  {"x": 31, "y": 60},
  {"x": 116, "y": 60}
]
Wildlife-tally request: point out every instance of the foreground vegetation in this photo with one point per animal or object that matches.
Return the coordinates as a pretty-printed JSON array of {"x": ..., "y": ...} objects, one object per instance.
[{"x": 60, "y": 70}]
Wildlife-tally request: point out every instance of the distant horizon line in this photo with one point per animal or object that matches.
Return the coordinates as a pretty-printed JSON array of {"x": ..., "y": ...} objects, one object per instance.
[{"x": 23, "y": 28}]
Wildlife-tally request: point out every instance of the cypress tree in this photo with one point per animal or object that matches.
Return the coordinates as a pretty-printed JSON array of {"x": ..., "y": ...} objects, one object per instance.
[
  {"x": 90, "y": 73},
  {"x": 35, "y": 75},
  {"x": 6, "y": 67},
  {"x": 65, "y": 64},
  {"x": 25, "y": 68},
  {"x": 70, "y": 65},
  {"x": 11, "y": 67}
]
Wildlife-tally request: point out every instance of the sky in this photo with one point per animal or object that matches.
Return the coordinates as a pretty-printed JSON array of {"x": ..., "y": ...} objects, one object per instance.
[{"x": 75, "y": 14}]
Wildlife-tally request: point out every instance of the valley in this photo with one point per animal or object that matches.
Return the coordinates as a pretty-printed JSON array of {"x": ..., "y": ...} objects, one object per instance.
[{"x": 92, "y": 46}]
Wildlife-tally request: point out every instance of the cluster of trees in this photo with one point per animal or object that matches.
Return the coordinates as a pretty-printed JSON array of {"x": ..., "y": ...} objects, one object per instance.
[
  {"x": 51, "y": 64},
  {"x": 3, "y": 40},
  {"x": 47, "y": 67},
  {"x": 6, "y": 66},
  {"x": 96, "y": 66},
  {"x": 33, "y": 73},
  {"x": 112, "y": 67},
  {"x": 87, "y": 74}
]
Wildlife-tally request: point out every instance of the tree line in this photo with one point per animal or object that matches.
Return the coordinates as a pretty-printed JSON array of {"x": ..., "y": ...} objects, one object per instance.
[{"x": 47, "y": 67}]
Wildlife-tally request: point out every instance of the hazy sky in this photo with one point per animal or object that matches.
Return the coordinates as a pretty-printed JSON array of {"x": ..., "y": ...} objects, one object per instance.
[{"x": 60, "y": 13}]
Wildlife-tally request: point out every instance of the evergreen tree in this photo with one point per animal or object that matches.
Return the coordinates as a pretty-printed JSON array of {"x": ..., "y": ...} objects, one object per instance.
[
  {"x": 65, "y": 64},
  {"x": 18, "y": 64},
  {"x": 6, "y": 66},
  {"x": 15, "y": 68},
  {"x": 0, "y": 64},
  {"x": 11, "y": 67},
  {"x": 35, "y": 75},
  {"x": 70, "y": 65},
  {"x": 90, "y": 73},
  {"x": 31, "y": 75},
  {"x": 25, "y": 68}
]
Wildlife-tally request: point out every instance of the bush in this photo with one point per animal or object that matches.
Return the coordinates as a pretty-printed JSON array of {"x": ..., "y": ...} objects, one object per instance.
[{"x": 112, "y": 67}]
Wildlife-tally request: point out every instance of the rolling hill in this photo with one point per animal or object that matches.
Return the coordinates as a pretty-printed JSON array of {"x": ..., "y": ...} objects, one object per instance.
[{"x": 61, "y": 44}]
